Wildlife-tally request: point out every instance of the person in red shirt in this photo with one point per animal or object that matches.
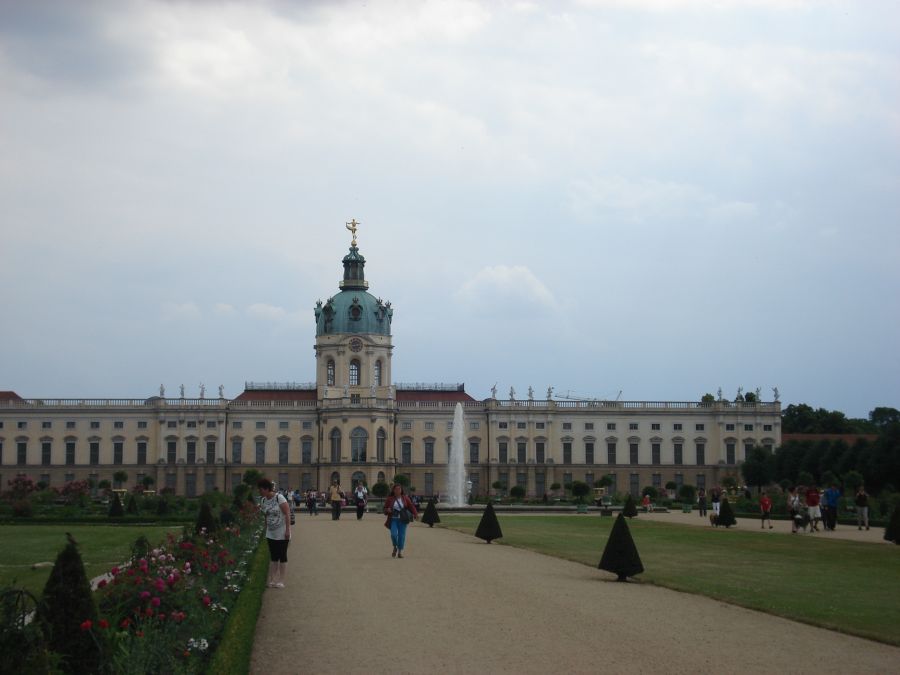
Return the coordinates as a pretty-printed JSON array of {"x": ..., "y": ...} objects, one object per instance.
[
  {"x": 812, "y": 505},
  {"x": 765, "y": 508}
]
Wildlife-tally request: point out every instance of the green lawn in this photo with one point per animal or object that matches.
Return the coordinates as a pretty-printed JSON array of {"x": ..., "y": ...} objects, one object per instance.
[
  {"x": 847, "y": 586},
  {"x": 101, "y": 546}
]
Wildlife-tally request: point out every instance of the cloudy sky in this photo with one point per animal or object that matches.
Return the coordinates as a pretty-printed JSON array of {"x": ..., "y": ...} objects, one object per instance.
[{"x": 652, "y": 197}]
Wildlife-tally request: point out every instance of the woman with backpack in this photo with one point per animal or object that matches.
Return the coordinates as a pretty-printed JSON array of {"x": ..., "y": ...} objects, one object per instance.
[{"x": 400, "y": 512}]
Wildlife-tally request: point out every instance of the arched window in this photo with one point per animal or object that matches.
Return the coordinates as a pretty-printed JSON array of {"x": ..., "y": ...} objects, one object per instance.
[
  {"x": 358, "y": 440},
  {"x": 329, "y": 369},
  {"x": 354, "y": 373},
  {"x": 380, "y": 439},
  {"x": 378, "y": 373},
  {"x": 335, "y": 445},
  {"x": 357, "y": 478}
]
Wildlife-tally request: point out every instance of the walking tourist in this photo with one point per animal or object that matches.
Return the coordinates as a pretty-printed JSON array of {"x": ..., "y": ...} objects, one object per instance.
[
  {"x": 715, "y": 497},
  {"x": 794, "y": 508},
  {"x": 278, "y": 530},
  {"x": 862, "y": 507},
  {"x": 360, "y": 496},
  {"x": 765, "y": 508},
  {"x": 701, "y": 501},
  {"x": 832, "y": 499},
  {"x": 400, "y": 511},
  {"x": 812, "y": 504},
  {"x": 312, "y": 502},
  {"x": 336, "y": 497}
]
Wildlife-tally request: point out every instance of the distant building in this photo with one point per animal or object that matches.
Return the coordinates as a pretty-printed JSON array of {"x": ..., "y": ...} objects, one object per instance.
[{"x": 352, "y": 423}]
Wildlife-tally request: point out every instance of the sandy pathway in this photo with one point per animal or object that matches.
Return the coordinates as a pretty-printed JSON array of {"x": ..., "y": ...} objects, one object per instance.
[{"x": 457, "y": 605}]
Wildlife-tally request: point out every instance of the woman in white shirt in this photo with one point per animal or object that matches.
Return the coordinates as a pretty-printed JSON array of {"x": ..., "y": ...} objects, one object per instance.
[{"x": 278, "y": 530}]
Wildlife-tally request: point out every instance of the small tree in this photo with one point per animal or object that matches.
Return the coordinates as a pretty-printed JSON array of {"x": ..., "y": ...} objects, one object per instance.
[
  {"x": 726, "y": 515},
  {"x": 489, "y": 527},
  {"x": 115, "y": 507},
  {"x": 381, "y": 489},
  {"x": 650, "y": 491},
  {"x": 707, "y": 398},
  {"x": 402, "y": 479},
  {"x": 147, "y": 482},
  {"x": 687, "y": 493},
  {"x": 759, "y": 467},
  {"x": 498, "y": 486},
  {"x": 805, "y": 478},
  {"x": 620, "y": 555},
  {"x": 162, "y": 506},
  {"x": 120, "y": 477},
  {"x": 630, "y": 508},
  {"x": 892, "y": 530},
  {"x": 104, "y": 485},
  {"x": 555, "y": 486},
  {"x": 131, "y": 508},
  {"x": 430, "y": 517},
  {"x": 517, "y": 492},
  {"x": 580, "y": 490},
  {"x": 251, "y": 477},
  {"x": 68, "y": 613},
  {"x": 205, "y": 520}
]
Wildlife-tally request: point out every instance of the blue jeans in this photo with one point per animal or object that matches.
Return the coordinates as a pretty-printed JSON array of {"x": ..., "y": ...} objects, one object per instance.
[{"x": 398, "y": 533}]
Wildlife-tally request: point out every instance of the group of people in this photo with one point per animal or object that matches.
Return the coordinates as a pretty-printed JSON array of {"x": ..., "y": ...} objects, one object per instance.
[
  {"x": 275, "y": 507},
  {"x": 810, "y": 507}
]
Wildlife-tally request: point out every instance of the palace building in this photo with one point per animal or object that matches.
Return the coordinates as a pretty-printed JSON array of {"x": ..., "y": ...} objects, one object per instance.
[{"x": 353, "y": 423}]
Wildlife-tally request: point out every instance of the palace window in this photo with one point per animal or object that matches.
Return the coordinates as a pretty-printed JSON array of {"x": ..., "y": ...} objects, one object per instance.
[
  {"x": 378, "y": 373},
  {"x": 335, "y": 445},
  {"x": 406, "y": 452},
  {"x": 210, "y": 452},
  {"x": 21, "y": 452},
  {"x": 632, "y": 453},
  {"x": 70, "y": 453},
  {"x": 520, "y": 452},
  {"x": 632, "y": 426},
  {"x": 588, "y": 453},
  {"x": 306, "y": 451},
  {"x": 539, "y": 425},
  {"x": 504, "y": 425},
  {"x": 142, "y": 424},
  {"x": 260, "y": 451},
  {"x": 610, "y": 453},
  {"x": 171, "y": 452},
  {"x": 358, "y": 441},
  {"x": 679, "y": 453},
  {"x": 699, "y": 427},
  {"x": 46, "y": 425},
  {"x": 539, "y": 452},
  {"x": 588, "y": 426},
  {"x": 503, "y": 450},
  {"x": 142, "y": 452},
  {"x": 46, "y": 453},
  {"x": 729, "y": 453},
  {"x": 429, "y": 452},
  {"x": 655, "y": 453},
  {"x": 654, "y": 426},
  {"x": 429, "y": 426},
  {"x": 237, "y": 448},
  {"x": 118, "y": 451},
  {"x": 282, "y": 451},
  {"x": 94, "y": 452},
  {"x": 354, "y": 373},
  {"x": 567, "y": 426},
  {"x": 380, "y": 439},
  {"x": 118, "y": 425},
  {"x": 610, "y": 426},
  {"x": 701, "y": 453},
  {"x": 677, "y": 426},
  {"x": 567, "y": 453},
  {"x": 329, "y": 372},
  {"x": 192, "y": 452},
  {"x": 473, "y": 452}
]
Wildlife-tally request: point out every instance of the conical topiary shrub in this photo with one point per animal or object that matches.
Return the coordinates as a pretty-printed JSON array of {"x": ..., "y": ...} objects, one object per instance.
[
  {"x": 205, "y": 520},
  {"x": 726, "y": 515},
  {"x": 68, "y": 613},
  {"x": 430, "y": 517},
  {"x": 630, "y": 508},
  {"x": 115, "y": 507},
  {"x": 620, "y": 555},
  {"x": 489, "y": 528},
  {"x": 892, "y": 531},
  {"x": 162, "y": 506},
  {"x": 131, "y": 507}
]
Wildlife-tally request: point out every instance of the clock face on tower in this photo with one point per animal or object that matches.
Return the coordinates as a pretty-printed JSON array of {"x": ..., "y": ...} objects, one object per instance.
[{"x": 356, "y": 345}]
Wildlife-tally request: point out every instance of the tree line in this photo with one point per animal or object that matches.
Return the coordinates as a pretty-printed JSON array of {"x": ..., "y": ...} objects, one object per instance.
[{"x": 876, "y": 463}]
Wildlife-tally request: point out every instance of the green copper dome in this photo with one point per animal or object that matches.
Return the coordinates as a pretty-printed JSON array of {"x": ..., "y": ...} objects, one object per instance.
[{"x": 353, "y": 310}]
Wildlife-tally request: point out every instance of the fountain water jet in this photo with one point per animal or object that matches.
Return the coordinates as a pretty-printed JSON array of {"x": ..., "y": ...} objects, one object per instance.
[{"x": 456, "y": 463}]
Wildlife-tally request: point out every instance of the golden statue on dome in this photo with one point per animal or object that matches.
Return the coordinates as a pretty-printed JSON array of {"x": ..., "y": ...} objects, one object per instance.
[{"x": 352, "y": 227}]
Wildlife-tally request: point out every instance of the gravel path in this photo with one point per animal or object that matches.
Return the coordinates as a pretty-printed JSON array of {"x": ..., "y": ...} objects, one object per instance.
[{"x": 457, "y": 605}]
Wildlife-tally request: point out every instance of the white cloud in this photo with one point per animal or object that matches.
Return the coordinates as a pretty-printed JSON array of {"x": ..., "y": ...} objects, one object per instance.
[
  {"x": 271, "y": 312},
  {"x": 180, "y": 311},
  {"x": 224, "y": 309},
  {"x": 502, "y": 289}
]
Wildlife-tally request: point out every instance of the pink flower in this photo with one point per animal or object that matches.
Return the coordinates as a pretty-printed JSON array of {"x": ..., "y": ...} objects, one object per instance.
[
  {"x": 104, "y": 623},
  {"x": 207, "y": 600},
  {"x": 155, "y": 602},
  {"x": 101, "y": 583},
  {"x": 160, "y": 584},
  {"x": 86, "y": 625},
  {"x": 145, "y": 595},
  {"x": 114, "y": 571}
]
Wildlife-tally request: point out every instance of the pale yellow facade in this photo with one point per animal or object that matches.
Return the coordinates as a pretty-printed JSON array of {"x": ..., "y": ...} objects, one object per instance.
[{"x": 353, "y": 423}]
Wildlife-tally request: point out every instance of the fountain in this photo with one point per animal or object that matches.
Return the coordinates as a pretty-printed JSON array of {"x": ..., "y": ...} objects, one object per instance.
[{"x": 456, "y": 462}]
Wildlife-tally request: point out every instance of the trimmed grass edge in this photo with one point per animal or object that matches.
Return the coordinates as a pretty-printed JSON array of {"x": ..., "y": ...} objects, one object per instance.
[{"x": 236, "y": 644}]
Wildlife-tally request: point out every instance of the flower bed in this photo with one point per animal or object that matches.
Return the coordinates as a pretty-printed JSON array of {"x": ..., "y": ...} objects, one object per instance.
[{"x": 165, "y": 611}]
